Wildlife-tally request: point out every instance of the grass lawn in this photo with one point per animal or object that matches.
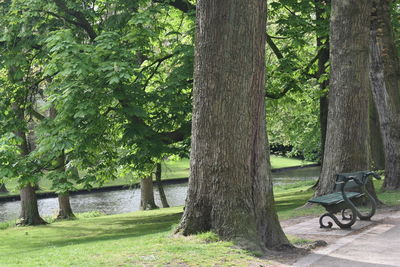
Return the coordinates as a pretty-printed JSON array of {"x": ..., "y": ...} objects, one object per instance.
[
  {"x": 170, "y": 170},
  {"x": 141, "y": 238}
]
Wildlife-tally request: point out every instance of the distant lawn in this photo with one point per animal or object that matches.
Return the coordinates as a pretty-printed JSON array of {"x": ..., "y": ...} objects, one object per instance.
[
  {"x": 180, "y": 169},
  {"x": 142, "y": 238},
  {"x": 170, "y": 170},
  {"x": 278, "y": 162}
]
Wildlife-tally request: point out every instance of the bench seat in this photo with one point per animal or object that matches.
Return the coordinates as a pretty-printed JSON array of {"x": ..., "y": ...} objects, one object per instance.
[{"x": 334, "y": 198}]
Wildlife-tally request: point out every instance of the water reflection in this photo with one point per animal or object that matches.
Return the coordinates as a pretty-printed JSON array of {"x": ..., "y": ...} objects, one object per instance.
[{"x": 121, "y": 201}]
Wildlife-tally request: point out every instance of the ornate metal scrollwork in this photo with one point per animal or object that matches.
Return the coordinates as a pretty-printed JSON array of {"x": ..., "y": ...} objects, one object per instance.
[
  {"x": 352, "y": 217},
  {"x": 322, "y": 225},
  {"x": 344, "y": 215}
]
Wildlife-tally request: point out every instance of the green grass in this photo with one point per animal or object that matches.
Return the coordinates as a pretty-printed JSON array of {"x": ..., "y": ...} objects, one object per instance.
[
  {"x": 170, "y": 170},
  {"x": 135, "y": 239},
  {"x": 278, "y": 162},
  {"x": 142, "y": 238}
]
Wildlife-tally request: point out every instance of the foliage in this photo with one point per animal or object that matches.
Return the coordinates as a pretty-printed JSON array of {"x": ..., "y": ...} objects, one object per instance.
[
  {"x": 103, "y": 88},
  {"x": 293, "y": 76},
  {"x": 295, "y": 123}
]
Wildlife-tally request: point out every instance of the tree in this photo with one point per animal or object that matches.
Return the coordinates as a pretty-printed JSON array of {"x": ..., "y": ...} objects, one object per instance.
[
  {"x": 160, "y": 186},
  {"x": 147, "y": 194},
  {"x": 230, "y": 187},
  {"x": 28, "y": 179},
  {"x": 384, "y": 73},
  {"x": 346, "y": 147},
  {"x": 321, "y": 14},
  {"x": 23, "y": 56}
]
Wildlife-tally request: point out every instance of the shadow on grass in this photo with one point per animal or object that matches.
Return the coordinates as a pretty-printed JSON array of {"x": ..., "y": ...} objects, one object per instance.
[
  {"x": 100, "y": 229},
  {"x": 292, "y": 200}
]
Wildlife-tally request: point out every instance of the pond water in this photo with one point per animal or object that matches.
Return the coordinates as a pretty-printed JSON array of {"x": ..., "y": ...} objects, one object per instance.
[{"x": 127, "y": 200}]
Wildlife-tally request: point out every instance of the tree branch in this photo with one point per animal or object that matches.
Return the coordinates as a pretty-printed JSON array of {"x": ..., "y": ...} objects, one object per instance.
[
  {"x": 292, "y": 84},
  {"x": 63, "y": 18},
  {"x": 273, "y": 46},
  {"x": 35, "y": 114},
  {"x": 183, "y": 5},
  {"x": 158, "y": 62},
  {"x": 82, "y": 22}
]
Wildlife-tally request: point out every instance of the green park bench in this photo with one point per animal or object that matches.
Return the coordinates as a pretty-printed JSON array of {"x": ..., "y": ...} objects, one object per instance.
[{"x": 349, "y": 192}]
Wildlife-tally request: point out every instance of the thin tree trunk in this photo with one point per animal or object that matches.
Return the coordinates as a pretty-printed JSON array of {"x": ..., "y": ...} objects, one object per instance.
[
  {"x": 230, "y": 185},
  {"x": 3, "y": 188},
  {"x": 65, "y": 210},
  {"x": 29, "y": 205},
  {"x": 64, "y": 205},
  {"x": 375, "y": 138},
  {"x": 321, "y": 8},
  {"x": 147, "y": 194},
  {"x": 385, "y": 81},
  {"x": 346, "y": 147},
  {"x": 160, "y": 186}
]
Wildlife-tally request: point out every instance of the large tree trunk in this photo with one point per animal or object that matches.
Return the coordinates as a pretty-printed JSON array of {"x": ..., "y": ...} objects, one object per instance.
[
  {"x": 346, "y": 147},
  {"x": 230, "y": 187},
  {"x": 147, "y": 194},
  {"x": 160, "y": 187},
  {"x": 385, "y": 80},
  {"x": 3, "y": 188},
  {"x": 29, "y": 207}
]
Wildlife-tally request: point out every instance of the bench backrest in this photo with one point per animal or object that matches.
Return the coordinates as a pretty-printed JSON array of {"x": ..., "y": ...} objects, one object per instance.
[{"x": 351, "y": 180}]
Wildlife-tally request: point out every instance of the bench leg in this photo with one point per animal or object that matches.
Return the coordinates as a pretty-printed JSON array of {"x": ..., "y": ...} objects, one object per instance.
[
  {"x": 352, "y": 218},
  {"x": 322, "y": 225},
  {"x": 367, "y": 217},
  {"x": 344, "y": 215}
]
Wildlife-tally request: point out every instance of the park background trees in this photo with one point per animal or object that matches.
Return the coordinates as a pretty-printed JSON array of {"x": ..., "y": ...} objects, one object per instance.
[{"x": 119, "y": 76}]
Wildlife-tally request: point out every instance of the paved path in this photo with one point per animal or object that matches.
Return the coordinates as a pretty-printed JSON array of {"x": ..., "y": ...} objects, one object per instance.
[{"x": 375, "y": 243}]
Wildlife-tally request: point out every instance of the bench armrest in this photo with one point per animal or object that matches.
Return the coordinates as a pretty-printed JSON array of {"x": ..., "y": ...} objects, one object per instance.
[{"x": 373, "y": 174}]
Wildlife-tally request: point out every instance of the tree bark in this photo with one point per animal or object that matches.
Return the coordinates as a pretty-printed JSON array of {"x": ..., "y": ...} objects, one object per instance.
[
  {"x": 385, "y": 80},
  {"x": 147, "y": 194},
  {"x": 64, "y": 205},
  {"x": 323, "y": 59},
  {"x": 65, "y": 210},
  {"x": 375, "y": 138},
  {"x": 29, "y": 207},
  {"x": 3, "y": 188},
  {"x": 160, "y": 187},
  {"x": 230, "y": 187},
  {"x": 346, "y": 147}
]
